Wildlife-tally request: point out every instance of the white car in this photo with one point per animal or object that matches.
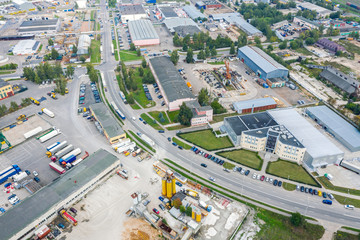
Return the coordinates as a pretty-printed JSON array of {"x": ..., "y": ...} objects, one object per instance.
[
  {"x": 13, "y": 199},
  {"x": 254, "y": 176},
  {"x": 267, "y": 179},
  {"x": 212, "y": 179},
  {"x": 35, "y": 173},
  {"x": 349, "y": 207},
  {"x": 258, "y": 177},
  {"x": 271, "y": 180}
]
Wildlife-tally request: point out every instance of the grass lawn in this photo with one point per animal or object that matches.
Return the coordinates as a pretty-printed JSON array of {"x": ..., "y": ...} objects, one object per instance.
[
  {"x": 347, "y": 201},
  {"x": 139, "y": 94},
  {"x": 340, "y": 235},
  {"x": 7, "y": 72},
  {"x": 328, "y": 185},
  {"x": 150, "y": 121},
  {"x": 289, "y": 186},
  {"x": 304, "y": 51},
  {"x": 116, "y": 55},
  {"x": 115, "y": 45},
  {"x": 228, "y": 165},
  {"x": 135, "y": 106},
  {"x": 244, "y": 157},
  {"x": 141, "y": 141},
  {"x": 279, "y": 227},
  {"x": 95, "y": 51},
  {"x": 339, "y": 66},
  {"x": 177, "y": 127},
  {"x": 126, "y": 56},
  {"x": 173, "y": 116},
  {"x": 216, "y": 63},
  {"x": 220, "y": 117},
  {"x": 351, "y": 48},
  {"x": 206, "y": 139},
  {"x": 293, "y": 171},
  {"x": 181, "y": 143},
  {"x": 155, "y": 115}
]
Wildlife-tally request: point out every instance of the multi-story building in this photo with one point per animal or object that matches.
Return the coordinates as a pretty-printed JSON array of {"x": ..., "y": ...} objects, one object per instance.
[
  {"x": 5, "y": 89},
  {"x": 201, "y": 114}
]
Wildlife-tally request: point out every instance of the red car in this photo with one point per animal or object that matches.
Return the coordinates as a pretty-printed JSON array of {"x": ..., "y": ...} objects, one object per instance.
[
  {"x": 206, "y": 155},
  {"x": 156, "y": 211},
  {"x": 262, "y": 178}
]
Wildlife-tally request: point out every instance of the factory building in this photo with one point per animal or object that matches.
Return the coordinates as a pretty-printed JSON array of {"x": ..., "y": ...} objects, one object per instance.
[
  {"x": 193, "y": 13},
  {"x": 111, "y": 128},
  {"x": 304, "y": 22},
  {"x": 343, "y": 131},
  {"x": 182, "y": 26},
  {"x": 22, "y": 220},
  {"x": 143, "y": 33},
  {"x": 341, "y": 80},
  {"x": 261, "y": 63},
  {"x": 172, "y": 86},
  {"x": 320, "y": 151},
  {"x": 167, "y": 12},
  {"x": 83, "y": 45},
  {"x": 5, "y": 90},
  {"x": 23, "y": 5},
  {"x": 39, "y": 27},
  {"x": 208, "y": 4},
  {"x": 329, "y": 45},
  {"x": 26, "y": 47},
  {"x": 132, "y": 12},
  {"x": 254, "y": 105},
  {"x": 321, "y": 12}
]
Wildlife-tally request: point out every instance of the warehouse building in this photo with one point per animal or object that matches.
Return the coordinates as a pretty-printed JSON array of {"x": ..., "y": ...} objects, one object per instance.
[
  {"x": 39, "y": 27},
  {"x": 341, "y": 80},
  {"x": 343, "y": 131},
  {"x": 5, "y": 90},
  {"x": 208, "y": 4},
  {"x": 22, "y": 220},
  {"x": 112, "y": 130},
  {"x": 320, "y": 151},
  {"x": 172, "y": 86},
  {"x": 254, "y": 105},
  {"x": 182, "y": 26},
  {"x": 83, "y": 45},
  {"x": 193, "y": 13},
  {"x": 321, "y": 12},
  {"x": 333, "y": 47},
  {"x": 23, "y": 5},
  {"x": 304, "y": 22},
  {"x": 26, "y": 47},
  {"x": 143, "y": 33},
  {"x": 132, "y": 12},
  {"x": 261, "y": 63},
  {"x": 167, "y": 12}
]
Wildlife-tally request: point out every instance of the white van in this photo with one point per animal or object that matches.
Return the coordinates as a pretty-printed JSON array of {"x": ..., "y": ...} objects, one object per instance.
[{"x": 349, "y": 207}]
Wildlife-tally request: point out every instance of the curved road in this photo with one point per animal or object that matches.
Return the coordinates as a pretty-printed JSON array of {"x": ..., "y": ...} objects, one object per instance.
[{"x": 306, "y": 204}]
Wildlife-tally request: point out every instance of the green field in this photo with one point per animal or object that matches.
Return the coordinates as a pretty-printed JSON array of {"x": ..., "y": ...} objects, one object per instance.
[
  {"x": 328, "y": 185},
  {"x": 278, "y": 227},
  {"x": 181, "y": 143},
  {"x": 289, "y": 186},
  {"x": 340, "y": 235},
  {"x": 177, "y": 127},
  {"x": 347, "y": 201},
  {"x": 141, "y": 141},
  {"x": 116, "y": 54},
  {"x": 127, "y": 56},
  {"x": 228, "y": 165},
  {"x": 155, "y": 115},
  {"x": 92, "y": 15},
  {"x": 291, "y": 171},
  {"x": 150, "y": 121},
  {"x": 351, "y": 48},
  {"x": 206, "y": 139},
  {"x": 173, "y": 116},
  {"x": 139, "y": 94},
  {"x": 244, "y": 157},
  {"x": 220, "y": 117},
  {"x": 7, "y": 72},
  {"x": 95, "y": 51}
]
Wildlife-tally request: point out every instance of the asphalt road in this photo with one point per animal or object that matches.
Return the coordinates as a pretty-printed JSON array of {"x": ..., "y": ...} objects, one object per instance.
[{"x": 308, "y": 205}]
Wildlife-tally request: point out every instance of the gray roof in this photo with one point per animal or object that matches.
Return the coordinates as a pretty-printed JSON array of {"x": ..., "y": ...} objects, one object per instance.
[
  {"x": 317, "y": 145},
  {"x": 168, "y": 12},
  {"x": 37, "y": 29},
  {"x": 38, "y": 23},
  {"x": 341, "y": 83},
  {"x": 34, "y": 206},
  {"x": 173, "y": 84},
  {"x": 337, "y": 124},
  {"x": 259, "y": 102},
  {"x": 131, "y": 9},
  {"x": 221, "y": 16},
  {"x": 182, "y": 31},
  {"x": 193, "y": 12},
  {"x": 308, "y": 21},
  {"x": 243, "y": 25},
  {"x": 107, "y": 121},
  {"x": 349, "y": 29},
  {"x": 175, "y": 22},
  {"x": 142, "y": 29},
  {"x": 261, "y": 59}
]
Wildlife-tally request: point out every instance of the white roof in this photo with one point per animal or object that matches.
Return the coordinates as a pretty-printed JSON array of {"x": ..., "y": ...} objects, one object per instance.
[
  {"x": 81, "y": 3},
  {"x": 84, "y": 42},
  {"x": 259, "y": 102},
  {"x": 25, "y": 47}
]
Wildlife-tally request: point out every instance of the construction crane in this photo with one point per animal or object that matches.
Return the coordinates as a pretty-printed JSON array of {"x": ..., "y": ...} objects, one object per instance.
[{"x": 227, "y": 65}]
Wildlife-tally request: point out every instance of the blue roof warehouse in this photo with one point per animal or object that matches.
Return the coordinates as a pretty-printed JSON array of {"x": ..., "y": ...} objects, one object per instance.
[{"x": 261, "y": 63}]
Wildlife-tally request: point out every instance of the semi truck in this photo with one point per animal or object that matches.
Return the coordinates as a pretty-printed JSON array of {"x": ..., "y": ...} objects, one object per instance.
[
  {"x": 115, "y": 146},
  {"x": 56, "y": 168},
  {"x": 50, "y": 135},
  {"x": 8, "y": 172},
  {"x": 189, "y": 85},
  {"x": 70, "y": 157},
  {"x": 19, "y": 176},
  {"x": 33, "y": 132},
  {"x": 68, "y": 217},
  {"x": 205, "y": 206},
  {"x": 62, "y": 152},
  {"x": 55, "y": 149},
  {"x": 80, "y": 159},
  {"x": 122, "y": 174},
  {"x": 147, "y": 140},
  {"x": 48, "y": 112},
  {"x": 135, "y": 153},
  {"x": 52, "y": 146},
  {"x": 350, "y": 166},
  {"x": 126, "y": 147}
]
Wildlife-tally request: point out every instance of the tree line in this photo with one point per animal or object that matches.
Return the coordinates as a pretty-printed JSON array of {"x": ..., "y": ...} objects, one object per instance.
[
  {"x": 9, "y": 66},
  {"x": 14, "y": 106}
]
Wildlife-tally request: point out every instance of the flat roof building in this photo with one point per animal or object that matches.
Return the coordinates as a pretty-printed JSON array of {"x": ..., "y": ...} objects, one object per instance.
[
  {"x": 261, "y": 63},
  {"x": 304, "y": 22},
  {"x": 172, "y": 86},
  {"x": 208, "y": 4},
  {"x": 143, "y": 33},
  {"x": 193, "y": 13},
  {"x": 320, "y": 151},
  {"x": 321, "y": 12},
  {"x": 341, "y": 80},
  {"x": 5, "y": 89},
  {"x": 39, "y": 26},
  {"x": 22, "y": 220},
  {"x": 167, "y": 12},
  {"x": 112, "y": 130},
  {"x": 83, "y": 45},
  {"x": 254, "y": 105},
  {"x": 182, "y": 26},
  {"x": 26, "y": 47},
  {"x": 343, "y": 131},
  {"x": 132, "y": 12}
]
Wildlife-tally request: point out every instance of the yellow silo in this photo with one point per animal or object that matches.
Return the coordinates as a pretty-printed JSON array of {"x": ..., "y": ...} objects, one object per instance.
[
  {"x": 173, "y": 186},
  {"x": 169, "y": 189},
  {"x": 193, "y": 214},
  {"x": 163, "y": 181},
  {"x": 198, "y": 215}
]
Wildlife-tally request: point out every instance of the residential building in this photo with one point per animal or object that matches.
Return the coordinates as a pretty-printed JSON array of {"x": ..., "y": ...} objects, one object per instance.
[
  {"x": 132, "y": 12},
  {"x": 254, "y": 105},
  {"x": 143, "y": 33},
  {"x": 329, "y": 45},
  {"x": 5, "y": 90}
]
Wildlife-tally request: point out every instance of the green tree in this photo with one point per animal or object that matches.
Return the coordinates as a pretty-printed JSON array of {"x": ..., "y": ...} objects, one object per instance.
[
  {"x": 189, "y": 56},
  {"x": 182, "y": 209},
  {"x": 13, "y": 106},
  {"x": 174, "y": 57},
  {"x": 130, "y": 98},
  {"x": 270, "y": 47},
  {"x": 61, "y": 85},
  {"x": 74, "y": 49},
  {"x": 213, "y": 52},
  {"x": 185, "y": 115},
  {"x": 188, "y": 211},
  {"x": 310, "y": 41},
  {"x": 294, "y": 45},
  {"x": 132, "y": 47},
  {"x": 232, "y": 49},
  {"x": 201, "y": 55},
  {"x": 203, "y": 97},
  {"x": 207, "y": 52},
  {"x": 37, "y": 79},
  {"x": 3, "y": 110},
  {"x": 297, "y": 219},
  {"x": 82, "y": 59},
  {"x": 138, "y": 52},
  {"x": 50, "y": 42},
  {"x": 257, "y": 40},
  {"x": 93, "y": 76},
  {"x": 70, "y": 71},
  {"x": 25, "y": 102},
  {"x": 216, "y": 106},
  {"x": 141, "y": 71},
  {"x": 283, "y": 45},
  {"x": 143, "y": 63},
  {"x": 242, "y": 40},
  {"x": 177, "y": 41},
  {"x": 54, "y": 54}
]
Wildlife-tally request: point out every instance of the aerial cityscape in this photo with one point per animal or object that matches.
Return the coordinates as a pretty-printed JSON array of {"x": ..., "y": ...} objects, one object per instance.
[{"x": 186, "y": 119}]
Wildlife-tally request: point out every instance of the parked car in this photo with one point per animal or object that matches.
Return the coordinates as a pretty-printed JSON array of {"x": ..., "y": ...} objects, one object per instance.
[
  {"x": 35, "y": 173},
  {"x": 349, "y": 207},
  {"x": 203, "y": 165},
  {"x": 27, "y": 172},
  {"x": 254, "y": 176},
  {"x": 330, "y": 196},
  {"x": 162, "y": 207},
  {"x": 326, "y": 201},
  {"x": 302, "y": 189},
  {"x": 169, "y": 139},
  {"x": 37, "y": 179},
  {"x": 247, "y": 172},
  {"x": 280, "y": 183},
  {"x": 62, "y": 226},
  {"x": 262, "y": 178},
  {"x": 324, "y": 195},
  {"x": 212, "y": 179},
  {"x": 179, "y": 184},
  {"x": 73, "y": 210},
  {"x": 174, "y": 143},
  {"x": 161, "y": 198},
  {"x": 180, "y": 147}
]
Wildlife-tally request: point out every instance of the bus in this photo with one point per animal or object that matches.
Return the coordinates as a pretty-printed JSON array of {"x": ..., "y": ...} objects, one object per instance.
[
  {"x": 118, "y": 112},
  {"x": 122, "y": 95},
  {"x": 8, "y": 172}
]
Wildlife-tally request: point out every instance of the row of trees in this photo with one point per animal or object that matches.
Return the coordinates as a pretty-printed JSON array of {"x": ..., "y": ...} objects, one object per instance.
[
  {"x": 9, "y": 66},
  {"x": 14, "y": 106},
  {"x": 43, "y": 72},
  {"x": 93, "y": 75},
  {"x": 355, "y": 108},
  {"x": 199, "y": 40}
]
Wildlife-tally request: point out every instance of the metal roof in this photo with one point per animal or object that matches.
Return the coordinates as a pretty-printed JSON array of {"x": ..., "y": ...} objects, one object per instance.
[
  {"x": 337, "y": 124},
  {"x": 168, "y": 12},
  {"x": 142, "y": 29},
  {"x": 107, "y": 121},
  {"x": 192, "y": 12},
  {"x": 243, "y": 25},
  {"x": 38, "y": 23},
  {"x": 259, "y": 102},
  {"x": 176, "y": 22},
  {"x": 173, "y": 84},
  {"x": 131, "y": 9},
  {"x": 261, "y": 59},
  {"x": 338, "y": 81},
  {"x": 221, "y": 16},
  {"x": 34, "y": 206},
  {"x": 37, "y": 29},
  {"x": 316, "y": 144},
  {"x": 3, "y": 83},
  {"x": 84, "y": 44},
  {"x": 308, "y": 21}
]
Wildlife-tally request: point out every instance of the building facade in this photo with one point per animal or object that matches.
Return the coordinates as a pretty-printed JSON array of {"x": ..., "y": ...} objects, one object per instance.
[
  {"x": 329, "y": 45},
  {"x": 131, "y": 12},
  {"x": 201, "y": 114},
  {"x": 5, "y": 90},
  {"x": 254, "y": 105}
]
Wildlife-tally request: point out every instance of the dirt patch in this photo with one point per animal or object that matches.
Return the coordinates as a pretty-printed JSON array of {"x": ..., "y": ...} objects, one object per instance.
[{"x": 138, "y": 229}]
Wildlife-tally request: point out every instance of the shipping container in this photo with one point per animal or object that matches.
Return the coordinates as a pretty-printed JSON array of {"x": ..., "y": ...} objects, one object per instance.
[{"x": 50, "y": 135}]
